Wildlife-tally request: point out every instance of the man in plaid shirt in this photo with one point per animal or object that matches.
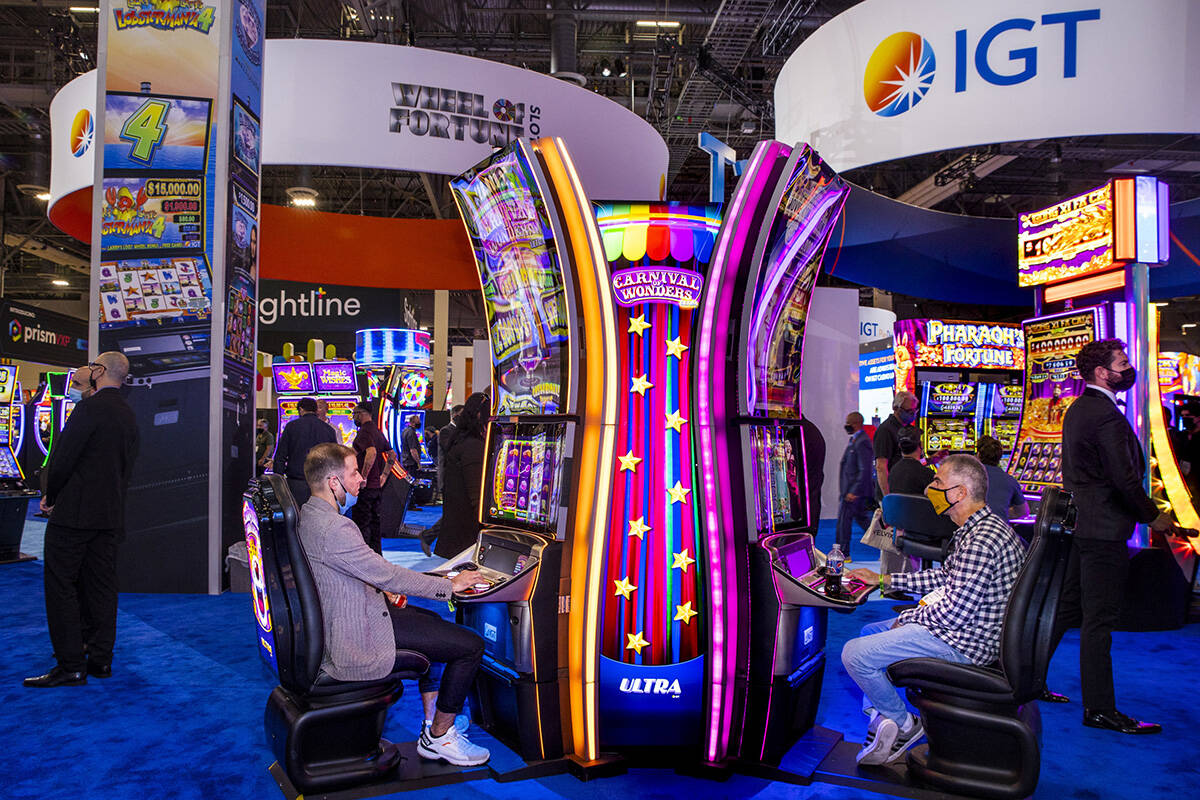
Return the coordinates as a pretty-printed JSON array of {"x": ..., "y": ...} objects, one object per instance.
[{"x": 959, "y": 618}]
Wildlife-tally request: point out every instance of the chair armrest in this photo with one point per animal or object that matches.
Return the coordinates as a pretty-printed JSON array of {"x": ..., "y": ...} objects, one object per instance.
[{"x": 967, "y": 681}]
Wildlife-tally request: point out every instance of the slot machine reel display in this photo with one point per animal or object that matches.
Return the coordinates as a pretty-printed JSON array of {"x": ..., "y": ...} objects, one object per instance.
[
  {"x": 14, "y": 493},
  {"x": 321, "y": 380}
]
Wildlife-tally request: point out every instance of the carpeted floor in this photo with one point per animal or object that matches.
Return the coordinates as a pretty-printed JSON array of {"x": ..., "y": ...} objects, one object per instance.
[{"x": 182, "y": 715}]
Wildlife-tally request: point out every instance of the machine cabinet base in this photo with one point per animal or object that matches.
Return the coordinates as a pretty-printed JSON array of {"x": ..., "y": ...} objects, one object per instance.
[
  {"x": 607, "y": 765},
  {"x": 413, "y": 772}
]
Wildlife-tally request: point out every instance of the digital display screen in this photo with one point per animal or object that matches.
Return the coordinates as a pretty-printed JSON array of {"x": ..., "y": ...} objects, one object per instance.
[
  {"x": 1011, "y": 399},
  {"x": 950, "y": 399},
  {"x": 1066, "y": 240},
  {"x": 335, "y": 377},
  {"x": 294, "y": 378},
  {"x": 502, "y": 555},
  {"x": 942, "y": 433},
  {"x": 9, "y": 468},
  {"x": 803, "y": 221},
  {"x": 1051, "y": 384},
  {"x": 780, "y": 499},
  {"x": 385, "y": 346},
  {"x": 8, "y": 384},
  {"x": 6, "y": 424},
  {"x": 525, "y": 473},
  {"x": 522, "y": 281},
  {"x": 798, "y": 558}
]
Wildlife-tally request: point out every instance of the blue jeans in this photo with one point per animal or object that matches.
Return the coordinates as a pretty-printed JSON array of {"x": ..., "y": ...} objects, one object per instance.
[{"x": 867, "y": 658}]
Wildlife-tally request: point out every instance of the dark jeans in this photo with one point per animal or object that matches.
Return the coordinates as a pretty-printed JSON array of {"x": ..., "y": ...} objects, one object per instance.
[
  {"x": 81, "y": 579},
  {"x": 859, "y": 511},
  {"x": 1093, "y": 591},
  {"x": 365, "y": 514},
  {"x": 443, "y": 642}
]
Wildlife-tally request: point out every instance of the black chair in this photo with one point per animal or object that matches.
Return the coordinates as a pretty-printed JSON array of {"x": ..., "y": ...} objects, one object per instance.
[
  {"x": 325, "y": 733},
  {"x": 921, "y": 532},
  {"x": 982, "y": 728}
]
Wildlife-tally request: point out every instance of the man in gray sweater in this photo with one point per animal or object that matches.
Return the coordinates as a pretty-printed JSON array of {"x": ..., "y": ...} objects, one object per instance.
[{"x": 363, "y": 629}]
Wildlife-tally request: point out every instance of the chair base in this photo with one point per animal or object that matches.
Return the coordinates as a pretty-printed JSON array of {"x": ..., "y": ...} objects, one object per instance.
[
  {"x": 410, "y": 773},
  {"x": 976, "y": 750},
  {"x": 325, "y": 746}
]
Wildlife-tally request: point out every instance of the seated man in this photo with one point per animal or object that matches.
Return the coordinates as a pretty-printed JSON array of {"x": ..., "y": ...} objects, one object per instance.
[
  {"x": 958, "y": 620},
  {"x": 362, "y": 629}
]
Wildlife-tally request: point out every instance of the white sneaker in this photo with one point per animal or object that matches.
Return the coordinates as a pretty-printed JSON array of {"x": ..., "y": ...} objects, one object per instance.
[
  {"x": 878, "y": 745},
  {"x": 909, "y": 735},
  {"x": 452, "y": 747},
  {"x": 462, "y": 723}
]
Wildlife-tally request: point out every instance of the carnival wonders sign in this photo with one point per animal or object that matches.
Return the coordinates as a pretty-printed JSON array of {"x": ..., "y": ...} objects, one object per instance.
[{"x": 658, "y": 285}]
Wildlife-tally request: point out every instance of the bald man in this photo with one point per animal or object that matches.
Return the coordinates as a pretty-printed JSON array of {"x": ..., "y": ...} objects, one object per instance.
[{"x": 87, "y": 480}]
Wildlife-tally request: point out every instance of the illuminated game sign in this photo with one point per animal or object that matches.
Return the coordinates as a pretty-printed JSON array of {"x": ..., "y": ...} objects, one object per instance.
[
  {"x": 1052, "y": 383},
  {"x": 522, "y": 282},
  {"x": 1122, "y": 221},
  {"x": 657, "y": 285},
  {"x": 335, "y": 376},
  {"x": 956, "y": 345},
  {"x": 8, "y": 384},
  {"x": 294, "y": 377},
  {"x": 385, "y": 346},
  {"x": 258, "y": 586},
  {"x": 1178, "y": 373}
]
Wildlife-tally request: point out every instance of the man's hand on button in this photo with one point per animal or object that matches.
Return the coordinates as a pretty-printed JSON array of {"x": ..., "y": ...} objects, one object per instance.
[{"x": 465, "y": 580}]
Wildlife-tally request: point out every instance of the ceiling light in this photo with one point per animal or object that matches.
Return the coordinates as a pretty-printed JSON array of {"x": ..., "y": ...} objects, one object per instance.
[
  {"x": 85, "y": 9},
  {"x": 1187, "y": 325},
  {"x": 302, "y": 196},
  {"x": 619, "y": 66},
  {"x": 605, "y": 68},
  {"x": 60, "y": 282},
  {"x": 651, "y": 23},
  {"x": 43, "y": 196}
]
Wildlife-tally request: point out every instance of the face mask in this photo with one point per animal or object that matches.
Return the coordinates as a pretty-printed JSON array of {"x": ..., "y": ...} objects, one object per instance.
[
  {"x": 348, "y": 500},
  {"x": 907, "y": 417},
  {"x": 849, "y": 428},
  {"x": 1126, "y": 381},
  {"x": 941, "y": 503},
  {"x": 73, "y": 394}
]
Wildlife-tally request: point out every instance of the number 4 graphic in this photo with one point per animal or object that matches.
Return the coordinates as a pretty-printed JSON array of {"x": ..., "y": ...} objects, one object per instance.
[{"x": 145, "y": 128}]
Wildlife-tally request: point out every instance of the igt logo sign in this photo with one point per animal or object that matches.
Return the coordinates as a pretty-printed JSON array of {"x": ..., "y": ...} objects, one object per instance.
[{"x": 902, "y": 68}]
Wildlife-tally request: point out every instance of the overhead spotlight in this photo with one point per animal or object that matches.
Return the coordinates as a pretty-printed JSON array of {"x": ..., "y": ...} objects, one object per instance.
[
  {"x": 747, "y": 126},
  {"x": 605, "y": 68},
  {"x": 84, "y": 9},
  {"x": 302, "y": 196},
  {"x": 35, "y": 190},
  {"x": 43, "y": 196},
  {"x": 619, "y": 66},
  {"x": 60, "y": 282},
  {"x": 652, "y": 23}
]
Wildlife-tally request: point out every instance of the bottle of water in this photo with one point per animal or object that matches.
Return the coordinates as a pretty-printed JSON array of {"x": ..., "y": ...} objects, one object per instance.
[{"x": 835, "y": 564}]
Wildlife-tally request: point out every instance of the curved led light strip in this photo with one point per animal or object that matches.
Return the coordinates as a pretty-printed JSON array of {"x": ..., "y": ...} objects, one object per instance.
[{"x": 1168, "y": 467}]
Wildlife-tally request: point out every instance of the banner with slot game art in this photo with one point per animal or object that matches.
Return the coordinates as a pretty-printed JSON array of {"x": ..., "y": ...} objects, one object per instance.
[{"x": 175, "y": 228}]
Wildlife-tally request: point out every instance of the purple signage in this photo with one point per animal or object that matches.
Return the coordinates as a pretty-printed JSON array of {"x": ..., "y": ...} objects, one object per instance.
[
  {"x": 335, "y": 377},
  {"x": 657, "y": 285},
  {"x": 294, "y": 377},
  {"x": 1067, "y": 240}
]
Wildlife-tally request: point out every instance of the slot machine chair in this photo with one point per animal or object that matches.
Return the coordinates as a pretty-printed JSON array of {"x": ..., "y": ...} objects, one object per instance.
[
  {"x": 921, "y": 532},
  {"x": 325, "y": 733},
  {"x": 983, "y": 729}
]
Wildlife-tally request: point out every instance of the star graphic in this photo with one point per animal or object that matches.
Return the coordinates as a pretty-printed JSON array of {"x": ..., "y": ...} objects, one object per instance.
[
  {"x": 635, "y": 642},
  {"x": 678, "y": 494},
  {"x": 638, "y": 528},
  {"x": 682, "y": 560},
  {"x": 624, "y": 588},
  {"x": 640, "y": 385},
  {"x": 675, "y": 347},
  {"x": 676, "y": 420},
  {"x": 684, "y": 613},
  {"x": 629, "y": 462},
  {"x": 638, "y": 324}
]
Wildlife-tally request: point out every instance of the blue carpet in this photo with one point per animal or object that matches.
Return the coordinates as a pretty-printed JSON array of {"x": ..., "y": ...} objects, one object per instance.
[{"x": 182, "y": 716}]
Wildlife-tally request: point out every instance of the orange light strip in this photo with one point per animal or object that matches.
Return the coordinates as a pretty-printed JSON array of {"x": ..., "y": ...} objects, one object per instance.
[
  {"x": 1092, "y": 284},
  {"x": 597, "y": 455},
  {"x": 1125, "y": 219},
  {"x": 1168, "y": 467}
]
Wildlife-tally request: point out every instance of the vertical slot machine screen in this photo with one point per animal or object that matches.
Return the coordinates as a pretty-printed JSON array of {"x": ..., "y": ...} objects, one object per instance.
[
  {"x": 10, "y": 469},
  {"x": 8, "y": 388},
  {"x": 780, "y": 500},
  {"x": 523, "y": 486},
  {"x": 804, "y": 220},
  {"x": 1052, "y": 383},
  {"x": 523, "y": 288}
]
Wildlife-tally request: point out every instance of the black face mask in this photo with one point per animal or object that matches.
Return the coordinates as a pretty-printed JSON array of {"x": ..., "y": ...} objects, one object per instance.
[
  {"x": 1128, "y": 378},
  {"x": 1187, "y": 422},
  {"x": 849, "y": 428}
]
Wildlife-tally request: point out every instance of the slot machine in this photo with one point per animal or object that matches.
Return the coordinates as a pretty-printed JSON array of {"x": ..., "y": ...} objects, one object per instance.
[
  {"x": 16, "y": 421},
  {"x": 15, "y": 494},
  {"x": 774, "y": 599},
  {"x": 547, "y": 442},
  {"x": 1001, "y": 414}
]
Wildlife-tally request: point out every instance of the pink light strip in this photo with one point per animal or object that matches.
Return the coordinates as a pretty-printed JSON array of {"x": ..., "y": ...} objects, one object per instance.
[{"x": 710, "y": 404}]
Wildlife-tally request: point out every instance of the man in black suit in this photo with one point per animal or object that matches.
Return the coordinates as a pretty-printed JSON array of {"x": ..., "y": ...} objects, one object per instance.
[
  {"x": 87, "y": 479},
  {"x": 1103, "y": 467},
  {"x": 295, "y": 440}
]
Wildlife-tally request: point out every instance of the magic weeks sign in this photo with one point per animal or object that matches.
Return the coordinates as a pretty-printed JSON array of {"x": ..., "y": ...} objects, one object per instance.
[{"x": 658, "y": 285}]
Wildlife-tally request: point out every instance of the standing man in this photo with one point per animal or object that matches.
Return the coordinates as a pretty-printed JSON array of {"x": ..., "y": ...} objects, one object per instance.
[
  {"x": 87, "y": 480},
  {"x": 295, "y": 440},
  {"x": 1103, "y": 466},
  {"x": 323, "y": 415},
  {"x": 264, "y": 443},
  {"x": 410, "y": 451},
  {"x": 372, "y": 449},
  {"x": 887, "y": 437},
  {"x": 855, "y": 481}
]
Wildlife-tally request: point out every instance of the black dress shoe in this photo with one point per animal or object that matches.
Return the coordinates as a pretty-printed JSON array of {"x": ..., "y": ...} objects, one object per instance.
[
  {"x": 1053, "y": 697},
  {"x": 56, "y": 677},
  {"x": 99, "y": 670},
  {"x": 1113, "y": 720}
]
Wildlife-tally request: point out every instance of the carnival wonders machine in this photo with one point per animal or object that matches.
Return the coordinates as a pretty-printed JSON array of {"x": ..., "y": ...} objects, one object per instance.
[
  {"x": 1088, "y": 258},
  {"x": 967, "y": 376},
  {"x": 549, "y": 447}
]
